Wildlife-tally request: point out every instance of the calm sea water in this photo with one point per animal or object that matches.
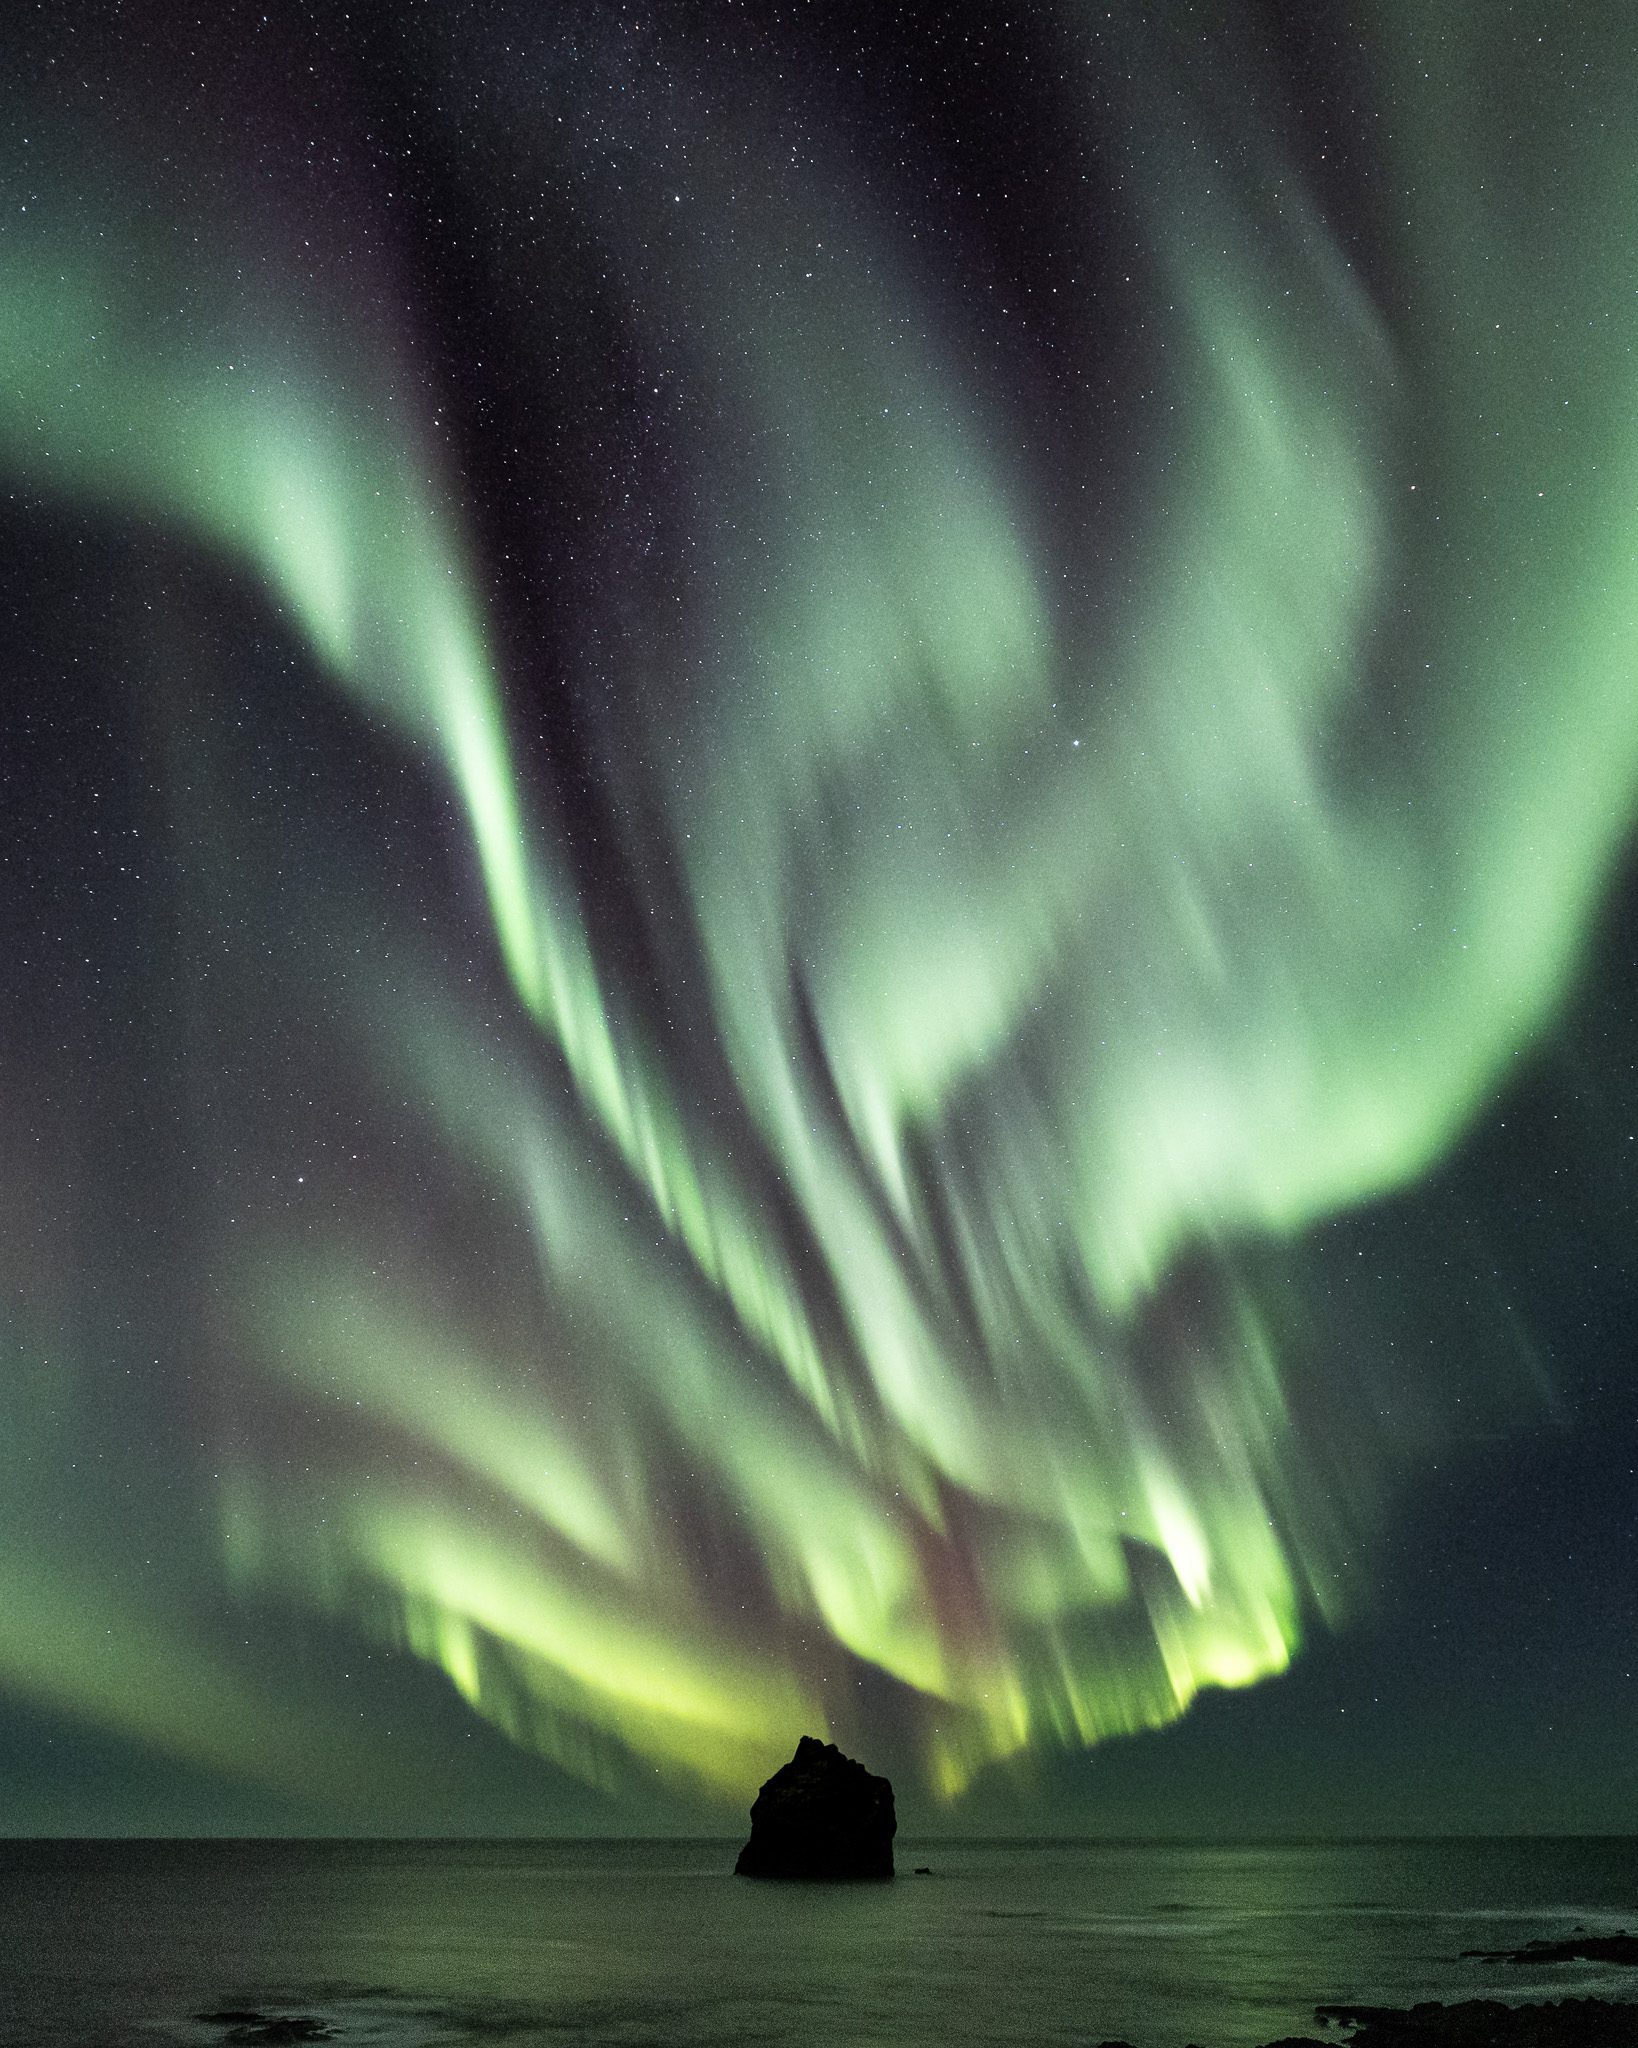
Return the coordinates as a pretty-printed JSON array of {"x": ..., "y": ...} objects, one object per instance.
[{"x": 654, "y": 1942}]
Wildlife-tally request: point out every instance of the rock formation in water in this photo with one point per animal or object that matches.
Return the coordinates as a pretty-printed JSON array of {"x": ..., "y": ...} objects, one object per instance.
[
  {"x": 1480, "y": 2023},
  {"x": 245, "y": 2029},
  {"x": 1581, "y": 1947},
  {"x": 820, "y": 1816}
]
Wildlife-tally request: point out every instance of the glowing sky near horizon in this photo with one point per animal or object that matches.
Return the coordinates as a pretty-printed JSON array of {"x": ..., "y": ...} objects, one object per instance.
[{"x": 839, "y": 1260}]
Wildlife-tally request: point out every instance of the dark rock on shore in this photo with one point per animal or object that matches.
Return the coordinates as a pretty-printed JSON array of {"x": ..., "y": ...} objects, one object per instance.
[
  {"x": 1483, "y": 2023},
  {"x": 821, "y": 1816},
  {"x": 261, "y": 2030},
  {"x": 1580, "y": 1948}
]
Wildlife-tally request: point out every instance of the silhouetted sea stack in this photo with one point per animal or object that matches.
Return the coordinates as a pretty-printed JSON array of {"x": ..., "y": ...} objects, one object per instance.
[{"x": 820, "y": 1815}]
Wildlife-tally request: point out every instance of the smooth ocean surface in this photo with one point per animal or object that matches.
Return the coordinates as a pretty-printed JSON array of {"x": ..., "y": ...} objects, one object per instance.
[{"x": 110, "y": 1943}]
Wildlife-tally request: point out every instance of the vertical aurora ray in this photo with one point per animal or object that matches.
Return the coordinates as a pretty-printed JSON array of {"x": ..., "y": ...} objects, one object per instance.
[{"x": 883, "y": 1297}]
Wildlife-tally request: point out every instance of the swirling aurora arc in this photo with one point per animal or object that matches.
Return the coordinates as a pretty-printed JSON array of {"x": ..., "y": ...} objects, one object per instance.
[{"x": 855, "y": 1273}]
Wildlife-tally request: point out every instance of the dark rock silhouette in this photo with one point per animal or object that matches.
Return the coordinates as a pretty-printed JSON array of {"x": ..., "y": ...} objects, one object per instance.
[
  {"x": 1480, "y": 2023},
  {"x": 820, "y": 1816},
  {"x": 1580, "y": 1948},
  {"x": 259, "y": 2030}
]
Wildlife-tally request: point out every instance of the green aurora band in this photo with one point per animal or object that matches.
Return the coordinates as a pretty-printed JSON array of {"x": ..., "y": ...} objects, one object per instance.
[{"x": 1046, "y": 950}]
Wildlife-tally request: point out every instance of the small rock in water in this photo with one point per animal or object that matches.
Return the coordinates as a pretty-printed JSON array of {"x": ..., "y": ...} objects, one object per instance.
[
  {"x": 246, "y": 2029},
  {"x": 820, "y": 1816}
]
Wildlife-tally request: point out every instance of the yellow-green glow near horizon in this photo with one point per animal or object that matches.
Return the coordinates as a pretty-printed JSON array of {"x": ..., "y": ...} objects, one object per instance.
[{"x": 1048, "y": 949}]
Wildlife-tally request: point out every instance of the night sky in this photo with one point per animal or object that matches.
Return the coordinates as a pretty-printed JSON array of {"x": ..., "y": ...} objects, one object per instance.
[{"x": 818, "y": 912}]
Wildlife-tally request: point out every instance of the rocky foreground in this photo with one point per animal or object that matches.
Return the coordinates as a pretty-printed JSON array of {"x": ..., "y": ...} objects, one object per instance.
[
  {"x": 1579, "y": 1948},
  {"x": 1487, "y": 2022},
  {"x": 1479, "y": 2023},
  {"x": 1472, "y": 2023}
]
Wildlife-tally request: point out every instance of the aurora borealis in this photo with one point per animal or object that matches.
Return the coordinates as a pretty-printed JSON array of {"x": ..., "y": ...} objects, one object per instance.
[{"x": 760, "y": 764}]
